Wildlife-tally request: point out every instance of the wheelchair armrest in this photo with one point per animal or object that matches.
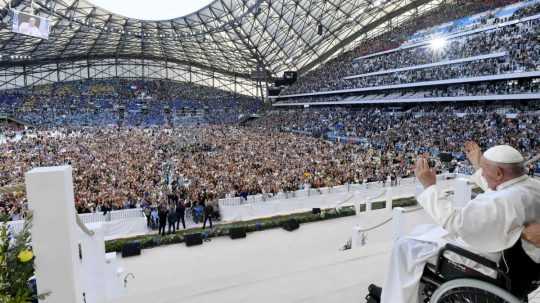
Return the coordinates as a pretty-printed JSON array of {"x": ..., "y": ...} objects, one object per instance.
[
  {"x": 467, "y": 254},
  {"x": 502, "y": 278}
]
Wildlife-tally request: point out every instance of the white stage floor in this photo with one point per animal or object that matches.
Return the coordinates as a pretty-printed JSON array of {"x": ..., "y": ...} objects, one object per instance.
[{"x": 269, "y": 266}]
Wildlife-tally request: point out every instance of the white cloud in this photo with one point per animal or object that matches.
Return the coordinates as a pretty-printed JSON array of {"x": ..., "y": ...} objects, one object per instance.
[{"x": 152, "y": 9}]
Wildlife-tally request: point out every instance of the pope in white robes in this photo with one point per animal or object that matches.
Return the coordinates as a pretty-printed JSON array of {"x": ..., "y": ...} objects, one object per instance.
[
  {"x": 486, "y": 225},
  {"x": 30, "y": 28}
]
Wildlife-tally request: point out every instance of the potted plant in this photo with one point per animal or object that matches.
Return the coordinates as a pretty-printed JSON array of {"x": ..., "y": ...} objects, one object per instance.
[{"x": 17, "y": 284}]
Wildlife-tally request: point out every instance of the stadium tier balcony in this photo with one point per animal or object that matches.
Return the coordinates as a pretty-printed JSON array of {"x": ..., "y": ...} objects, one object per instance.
[
  {"x": 512, "y": 89},
  {"x": 504, "y": 46}
]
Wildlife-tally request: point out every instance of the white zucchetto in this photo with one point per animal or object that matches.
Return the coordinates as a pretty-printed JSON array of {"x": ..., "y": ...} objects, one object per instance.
[{"x": 505, "y": 154}]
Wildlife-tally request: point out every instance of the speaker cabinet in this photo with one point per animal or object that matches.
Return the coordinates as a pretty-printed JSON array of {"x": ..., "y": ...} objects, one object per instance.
[
  {"x": 291, "y": 225},
  {"x": 131, "y": 249},
  {"x": 193, "y": 239},
  {"x": 237, "y": 232}
]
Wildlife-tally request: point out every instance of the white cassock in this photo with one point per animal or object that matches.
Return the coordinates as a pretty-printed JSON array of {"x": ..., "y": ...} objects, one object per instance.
[
  {"x": 486, "y": 225},
  {"x": 27, "y": 29}
]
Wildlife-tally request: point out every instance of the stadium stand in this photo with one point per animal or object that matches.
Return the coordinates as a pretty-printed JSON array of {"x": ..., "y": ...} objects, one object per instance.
[
  {"x": 68, "y": 113},
  {"x": 498, "y": 46},
  {"x": 387, "y": 141},
  {"x": 144, "y": 103},
  {"x": 176, "y": 115}
]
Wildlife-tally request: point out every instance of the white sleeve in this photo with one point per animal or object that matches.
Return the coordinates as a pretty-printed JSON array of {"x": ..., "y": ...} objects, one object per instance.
[
  {"x": 485, "y": 223},
  {"x": 479, "y": 180}
]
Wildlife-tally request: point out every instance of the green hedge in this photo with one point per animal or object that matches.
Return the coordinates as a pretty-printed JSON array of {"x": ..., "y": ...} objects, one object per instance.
[
  {"x": 149, "y": 241},
  {"x": 401, "y": 202}
]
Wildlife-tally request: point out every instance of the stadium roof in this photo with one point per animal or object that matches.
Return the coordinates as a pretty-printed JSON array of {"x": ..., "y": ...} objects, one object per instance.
[{"x": 227, "y": 36}]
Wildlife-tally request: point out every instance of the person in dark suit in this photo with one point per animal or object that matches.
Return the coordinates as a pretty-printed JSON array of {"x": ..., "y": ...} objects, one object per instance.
[
  {"x": 172, "y": 198},
  {"x": 106, "y": 209},
  {"x": 162, "y": 213},
  {"x": 171, "y": 218},
  {"x": 531, "y": 170},
  {"x": 208, "y": 212},
  {"x": 180, "y": 214}
]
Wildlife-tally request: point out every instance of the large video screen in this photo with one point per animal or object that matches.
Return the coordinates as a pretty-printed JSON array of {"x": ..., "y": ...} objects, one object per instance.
[{"x": 30, "y": 25}]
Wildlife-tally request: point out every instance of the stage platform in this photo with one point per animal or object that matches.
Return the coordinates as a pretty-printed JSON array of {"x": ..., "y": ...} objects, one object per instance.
[{"x": 270, "y": 266}]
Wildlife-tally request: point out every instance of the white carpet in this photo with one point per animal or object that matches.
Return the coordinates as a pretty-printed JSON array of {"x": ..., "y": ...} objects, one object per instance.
[{"x": 269, "y": 266}]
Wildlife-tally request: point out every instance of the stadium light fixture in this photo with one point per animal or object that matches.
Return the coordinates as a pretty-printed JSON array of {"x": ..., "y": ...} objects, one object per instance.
[{"x": 437, "y": 43}]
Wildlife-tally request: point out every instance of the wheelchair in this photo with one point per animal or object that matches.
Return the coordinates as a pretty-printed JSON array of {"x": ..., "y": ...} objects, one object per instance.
[{"x": 513, "y": 279}]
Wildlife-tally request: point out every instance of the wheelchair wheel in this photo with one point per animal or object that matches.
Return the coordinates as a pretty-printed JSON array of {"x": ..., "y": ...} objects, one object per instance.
[{"x": 471, "y": 291}]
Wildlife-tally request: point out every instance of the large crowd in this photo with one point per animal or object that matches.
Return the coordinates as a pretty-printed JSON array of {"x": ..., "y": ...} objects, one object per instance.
[
  {"x": 122, "y": 168},
  {"x": 117, "y": 168},
  {"x": 125, "y": 102},
  {"x": 512, "y": 38},
  {"x": 519, "y": 41},
  {"x": 146, "y": 143},
  {"x": 431, "y": 128}
]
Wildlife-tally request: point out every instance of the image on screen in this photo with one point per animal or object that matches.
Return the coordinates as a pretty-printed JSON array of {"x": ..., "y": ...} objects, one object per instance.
[{"x": 30, "y": 25}]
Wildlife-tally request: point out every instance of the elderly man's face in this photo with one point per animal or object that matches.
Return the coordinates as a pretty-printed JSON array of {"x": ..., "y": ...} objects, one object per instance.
[
  {"x": 494, "y": 175},
  {"x": 32, "y": 21}
]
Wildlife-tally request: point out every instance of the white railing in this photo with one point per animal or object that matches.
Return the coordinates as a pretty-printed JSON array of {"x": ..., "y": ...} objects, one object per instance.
[
  {"x": 256, "y": 206},
  {"x": 232, "y": 209},
  {"x": 302, "y": 193},
  {"x": 115, "y": 215},
  {"x": 280, "y": 203},
  {"x": 112, "y": 215}
]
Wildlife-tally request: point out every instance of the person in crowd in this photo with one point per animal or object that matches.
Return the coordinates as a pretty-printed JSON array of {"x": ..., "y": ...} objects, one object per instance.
[
  {"x": 106, "y": 209},
  {"x": 147, "y": 213},
  {"x": 198, "y": 212},
  {"x": 531, "y": 170},
  {"x": 162, "y": 213},
  {"x": 208, "y": 213},
  {"x": 154, "y": 214},
  {"x": 171, "y": 218},
  {"x": 172, "y": 198},
  {"x": 180, "y": 214}
]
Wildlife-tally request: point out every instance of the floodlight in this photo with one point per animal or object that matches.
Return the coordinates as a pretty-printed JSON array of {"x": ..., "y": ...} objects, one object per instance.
[{"x": 437, "y": 43}]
